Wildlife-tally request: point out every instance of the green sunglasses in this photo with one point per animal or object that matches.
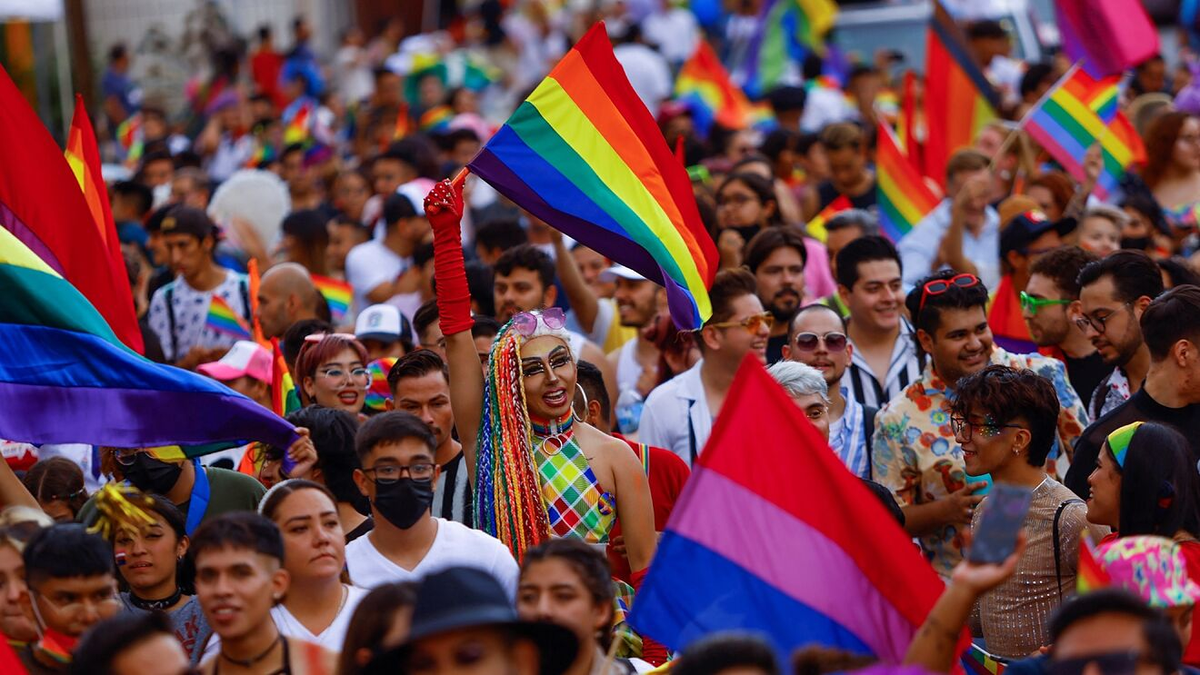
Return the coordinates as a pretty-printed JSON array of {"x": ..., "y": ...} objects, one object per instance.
[{"x": 1031, "y": 304}]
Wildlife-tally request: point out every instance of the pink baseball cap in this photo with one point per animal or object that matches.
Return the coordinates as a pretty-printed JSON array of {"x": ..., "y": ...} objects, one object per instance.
[{"x": 245, "y": 358}]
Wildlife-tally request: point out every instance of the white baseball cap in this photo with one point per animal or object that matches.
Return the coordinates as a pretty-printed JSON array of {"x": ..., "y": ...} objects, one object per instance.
[
  {"x": 620, "y": 272},
  {"x": 245, "y": 358},
  {"x": 385, "y": 323}
]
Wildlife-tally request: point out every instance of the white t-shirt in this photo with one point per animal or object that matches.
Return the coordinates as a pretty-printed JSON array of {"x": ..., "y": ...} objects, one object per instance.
[
  {"x": 332, "y": 638},
  {"x": 455, "y": 545},
  {"x": 370, "y": 264},
  {"x": 191, "y": 314}
]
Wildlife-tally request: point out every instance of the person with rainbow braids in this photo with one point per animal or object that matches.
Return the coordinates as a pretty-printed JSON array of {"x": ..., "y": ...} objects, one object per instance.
[{"x": 538, "y": 470}]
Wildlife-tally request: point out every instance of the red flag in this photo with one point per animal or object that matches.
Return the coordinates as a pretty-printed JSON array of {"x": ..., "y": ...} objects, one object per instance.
[{"x": 42, "y": 205}]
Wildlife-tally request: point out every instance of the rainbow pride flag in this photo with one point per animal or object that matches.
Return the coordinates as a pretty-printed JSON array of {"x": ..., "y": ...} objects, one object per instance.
[
  {"x": 704, "y": 86},
  {"x": 787, "y": 31},
  {"x": 112, "y": 395},
  {"x": 902, "y": 195},
  {"x": 1120, "y": 147},
  {"x": 583, "y": 154},
  {"x": 1091, "y": 576},
  {"x": 976, "y": 661},
  {"x": 1064, "y": 122},
  {"x": 816, "y": 226},
  {"x": 959, "y": 100},
  {"x": 436, "y": 119},
  {"x": 743, "y": 546},
  {"x": 339, "y": 295},
  {"x": 284, "y": 398},
  {"x": 223, "y": 320},
  {"x": 298, "y": 125},
  {"x": 403, "y": 126}
]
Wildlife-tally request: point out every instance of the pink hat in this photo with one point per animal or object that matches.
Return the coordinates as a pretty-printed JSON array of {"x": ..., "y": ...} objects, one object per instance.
[
  {"x": 1154, "y": 568},
  {"x": 245, "y": 358}
]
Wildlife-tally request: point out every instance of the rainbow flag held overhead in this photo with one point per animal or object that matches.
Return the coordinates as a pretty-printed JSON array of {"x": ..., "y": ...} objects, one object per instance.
[
  {"x": 339, "y": 295},
  {"x": 583, "y": 154},
  {"x": 743, "y": 546},
  {"x": 112, "y": 395},
  {"x": 787, "y": 31},
  {"x": 816, "y": 226},
  {"x": 976, "y": 661},
  {"x": 1064, "y": 121},
  {"x": 959, "y": 100},
  {"x": 704, "y": 86},
  {"x": 902, "y": 195},
  {"x": 223, "y": 320}
]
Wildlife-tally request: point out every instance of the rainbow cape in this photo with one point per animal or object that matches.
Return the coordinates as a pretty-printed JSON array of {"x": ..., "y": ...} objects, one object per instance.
[
  {"x": 902, "y": 195},
  {"x": 223, "y": 320},
  {"x": 801, "y": 554},
  {"x": 705, "y": 87},
  {"x": 112, "y": 395},
  {"x": 338, "y": 294},
  {"x": 959, "y": 100},
  {"x": 583, "y": 154},
  {"x": 816, "y": 226}
]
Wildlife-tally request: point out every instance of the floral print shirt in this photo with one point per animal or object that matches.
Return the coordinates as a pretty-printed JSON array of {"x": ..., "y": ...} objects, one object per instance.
[{"x": 914, "y": 453}]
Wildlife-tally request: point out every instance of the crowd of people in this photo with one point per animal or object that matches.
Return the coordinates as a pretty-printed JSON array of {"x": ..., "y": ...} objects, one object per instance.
[{"x": 496, "y": 422}]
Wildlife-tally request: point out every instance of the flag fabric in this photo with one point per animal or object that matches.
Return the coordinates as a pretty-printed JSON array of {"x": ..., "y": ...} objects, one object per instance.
[
  {"x": 1064, "y": 122},
  {"x": 338, "y": 294},
  {"x": 744, "y": 545},
  {"x": 1091, "y": 576},
  {"x": 902, "y": 195},
  {"x": 907, "y": 125},
  {"x": 959, "y": 100},
  {"x": 583, "y": 154},
  {"x": 42, "y": 206},
  {"x": 298, "y": 124},
  {"x": 1121, "y": 147},
  {"x": 284, "y": 398},
  {"x": 786, "y": 32},
  {"x": 223, "y": 320},
  {"x": 1110, "y": 36},
  {"x": 704, "y": 86},
  {"x": 403, "y": 125},
  {"x": 976, "y": 661},
  {"x": 816, "y": 226},
  {"x": 60, "y": 359}
]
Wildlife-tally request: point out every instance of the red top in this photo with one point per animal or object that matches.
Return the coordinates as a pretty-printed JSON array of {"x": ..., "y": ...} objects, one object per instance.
[
  {"x": 264, "y": 68},
  {"x": 666, "y": 473},
  {"x": 1191, "y": 553}
]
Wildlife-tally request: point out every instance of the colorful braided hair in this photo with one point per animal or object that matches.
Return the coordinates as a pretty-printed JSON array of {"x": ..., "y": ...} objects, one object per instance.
[{"x": 508, "y": 495}]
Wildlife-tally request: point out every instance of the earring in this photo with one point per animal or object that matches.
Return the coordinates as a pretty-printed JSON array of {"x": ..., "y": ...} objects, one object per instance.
[{"x": 574, "y": 412}]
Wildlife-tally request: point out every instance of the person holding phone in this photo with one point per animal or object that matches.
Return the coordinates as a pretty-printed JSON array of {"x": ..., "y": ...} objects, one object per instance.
[{"x": 1005, "y": 419}]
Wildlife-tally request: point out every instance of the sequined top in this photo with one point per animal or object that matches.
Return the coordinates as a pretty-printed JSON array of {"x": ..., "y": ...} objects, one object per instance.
[
  {"x": 1014, "y": 615},
  {"x": 575, "y": 502}
]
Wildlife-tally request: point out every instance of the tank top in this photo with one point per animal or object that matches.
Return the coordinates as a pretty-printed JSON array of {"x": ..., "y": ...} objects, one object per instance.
[{"x": 575, "y": 503}]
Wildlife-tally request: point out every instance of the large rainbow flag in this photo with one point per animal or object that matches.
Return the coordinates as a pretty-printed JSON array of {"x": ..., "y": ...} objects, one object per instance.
[
  {"x": 704, "y": 86},
  {"x": 744, "y": 547},
  {"x": 959, "y": 100},
  {"x": 583, "y": 154},
  {"x": 1071, "y": 117},
  {"x": 1120, "y": 147},
  {"x": 902, "y": 195},
  {"x": 60, "y": 360}
]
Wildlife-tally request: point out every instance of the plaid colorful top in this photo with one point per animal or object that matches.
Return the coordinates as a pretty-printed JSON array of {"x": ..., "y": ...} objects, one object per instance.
[{"x": 574, "y": 501}]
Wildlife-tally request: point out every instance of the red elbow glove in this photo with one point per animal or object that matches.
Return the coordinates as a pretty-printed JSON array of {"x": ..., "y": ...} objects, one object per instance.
[
  {"x": 652, "y": 652},
  {"x": 444, "y": 208}
]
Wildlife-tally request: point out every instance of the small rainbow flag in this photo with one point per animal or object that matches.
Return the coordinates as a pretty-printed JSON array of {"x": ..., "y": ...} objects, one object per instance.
[
  {"x": 297, "y": 129},
  {"x": 816, "y": 226},
  {"x": 338, "y": 294},
  {"x": 787, "y": 31},
  {"x": 583, "y": 154},
  {"x": 436, "y": 119},
  {"x": 378, "y": 392},
  {"x": 284, "y": 398},
  {"x": 1091, "y": 576},
  {"x": 976, "y": 661},
  {"x": 903, "y": 197},
  {"x": 704, "y": 86},
  {"x": 223, "y": 320},
  {"x": 1064, "y": 122}
]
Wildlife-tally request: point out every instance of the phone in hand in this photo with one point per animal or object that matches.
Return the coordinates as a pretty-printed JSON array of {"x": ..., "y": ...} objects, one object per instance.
[{"x": 1004, "y": 510}]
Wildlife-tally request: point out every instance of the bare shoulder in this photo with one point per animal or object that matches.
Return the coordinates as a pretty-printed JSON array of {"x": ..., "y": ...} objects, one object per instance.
[{"x": 597, "y": 442}]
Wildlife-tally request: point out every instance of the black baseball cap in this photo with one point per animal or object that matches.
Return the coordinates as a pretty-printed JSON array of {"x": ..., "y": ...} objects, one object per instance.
[
  {"x": 188, "y": 220},
  {"x": 1026, "y": 227}
]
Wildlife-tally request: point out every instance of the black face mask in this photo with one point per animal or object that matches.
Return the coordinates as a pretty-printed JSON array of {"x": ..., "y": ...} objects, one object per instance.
[
  {"x": 1136, "y": 243},
  {"x": 152, "y": 475},
  {"x": 747, "y": 231},
  {"x": 403, "y": 502}
]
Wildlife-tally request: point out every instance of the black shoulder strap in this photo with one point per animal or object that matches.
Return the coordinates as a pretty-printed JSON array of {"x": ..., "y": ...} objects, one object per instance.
[
  {"x": 869, "y": 414},
  {"x": 1057, "y": 552},
  {"x": 691, "y": 435},
  {"x": 244, "y": 289},
  {"x": 170, "y": 298}
]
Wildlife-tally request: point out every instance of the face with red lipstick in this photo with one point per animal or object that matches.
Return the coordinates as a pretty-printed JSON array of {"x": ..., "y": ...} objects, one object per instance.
[
  {"x": 314, "y": 544},
  {"x": 549, "y": 376},
  {"x": 340, "y": 382},
  {"x": 146, "y": 559}
]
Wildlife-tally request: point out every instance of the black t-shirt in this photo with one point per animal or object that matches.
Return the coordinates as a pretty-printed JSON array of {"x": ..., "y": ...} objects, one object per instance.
[
  {"x": 1140, "y": 407},
  {"x": 775, "y": 345},
  {"x": 1086, "y": 373},
  {"x": 826, "y": 193}
]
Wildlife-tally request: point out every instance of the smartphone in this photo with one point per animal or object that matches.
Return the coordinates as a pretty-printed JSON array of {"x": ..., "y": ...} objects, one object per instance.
[{"x": 1004, "y": 512}]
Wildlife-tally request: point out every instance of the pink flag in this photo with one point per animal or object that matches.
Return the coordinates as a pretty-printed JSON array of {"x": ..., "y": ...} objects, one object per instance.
[{"x": 1109, "y": 35}]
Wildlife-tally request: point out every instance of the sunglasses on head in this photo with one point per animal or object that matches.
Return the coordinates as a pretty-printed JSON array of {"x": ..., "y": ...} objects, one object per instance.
[
  {"x": 939, "y": 286},
  {"x": 525, "y": 323},
  {"x": 807, "y": 342},
  {"x": 317, "y": 337}
]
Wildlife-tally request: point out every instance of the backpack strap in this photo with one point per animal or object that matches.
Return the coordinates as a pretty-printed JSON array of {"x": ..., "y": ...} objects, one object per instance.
[
  {"x": 869, "y": 414},
  {"x": 170, "y": 298},
  {"x": 1054, "y": 533},
  {"x": 244, "y": 290}
]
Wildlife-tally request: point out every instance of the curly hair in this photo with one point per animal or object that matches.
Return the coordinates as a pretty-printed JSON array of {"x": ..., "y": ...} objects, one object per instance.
[{"x": 1004, "y": 394}]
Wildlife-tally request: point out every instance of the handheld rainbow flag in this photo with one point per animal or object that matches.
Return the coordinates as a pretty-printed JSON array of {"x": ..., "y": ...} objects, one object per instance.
[
  {"x": 816, "y": 226},
  {"x": 222, "y": 319},
  {"x": 1091, "y": 576},
  {"x": 583, "y": 154},
  {"x": 787, "y": 31},
  {"x": 1120, "y": 147},
  {"x": 1064, "y": 121},
  {"x": 298, "y": 124},
  {"x": 705, "y": 87},
  {"x": 903, "y": 197},
  {"x": 743, "y": 545},
  {"x": 339, "y": 295},
  {"x": 112, "y": 395},
  {"x": 976, "y": 661},
  {"x": 959, "y": 100},
  {"x": 284, "y": 399},
  {"x": 436, "y": 119}
]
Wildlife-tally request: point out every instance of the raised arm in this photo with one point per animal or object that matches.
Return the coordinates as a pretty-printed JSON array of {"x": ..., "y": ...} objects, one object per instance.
[
  {"x": 444, "y": 208},
  {"x": 581, "y": 297},
  {"x": 12, "y": 490}
]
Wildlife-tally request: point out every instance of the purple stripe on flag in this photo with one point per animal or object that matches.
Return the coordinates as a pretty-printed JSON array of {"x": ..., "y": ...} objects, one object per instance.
[
  {"x": 10, "y": 222},
  {"x": 741, "y": 526},
  {"x": 1058, "y": 142}
]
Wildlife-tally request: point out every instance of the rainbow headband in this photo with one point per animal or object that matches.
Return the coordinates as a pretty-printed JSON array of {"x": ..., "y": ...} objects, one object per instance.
[{"x": 1118, "y": 442}]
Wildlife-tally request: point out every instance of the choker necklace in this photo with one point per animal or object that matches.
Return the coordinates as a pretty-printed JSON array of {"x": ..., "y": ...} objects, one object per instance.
[
  {"x": 544, "y": 428},
  {"x": 254, "y": 659},
  {"x": 160, "y": 605}
]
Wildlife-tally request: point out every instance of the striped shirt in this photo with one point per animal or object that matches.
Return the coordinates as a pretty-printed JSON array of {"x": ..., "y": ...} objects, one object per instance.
[
  {"x": 903, "y": 369},
  {"x": 452, "y": 497},
  {"x": 847, "y": 437}
]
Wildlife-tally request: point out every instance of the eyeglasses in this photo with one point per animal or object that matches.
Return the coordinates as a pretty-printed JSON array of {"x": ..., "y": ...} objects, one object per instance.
[
  {"x": 751, "y": 323},
  {"x": 525, "y": 323},
  {"x": 807, "y": 342},
  {"x": 965, "y": 428},
  {"x": 390, "y": 473},
  {"x": 1096, "y": 323},
  {"x": 1108, "y": 663},
  {"x": 939, "y": 286},
  {"x": 1031, "y": 305},
  {"x": 127, "y": 456},
  {"x": 99, "y": 601},
  {"x": 339, "y": 375}
]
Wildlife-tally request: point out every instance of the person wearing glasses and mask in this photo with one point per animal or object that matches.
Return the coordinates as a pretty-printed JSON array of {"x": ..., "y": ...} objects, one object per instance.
[
  {"x": 817, "y": 337},
  {"x": 408, "y": 543},
  {"x": 914, "y": 452},
  {"x": 69, "y": 575}
]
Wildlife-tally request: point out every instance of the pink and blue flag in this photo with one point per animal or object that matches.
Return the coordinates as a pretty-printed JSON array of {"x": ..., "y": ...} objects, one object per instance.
[{"x": 773, "y": 535}]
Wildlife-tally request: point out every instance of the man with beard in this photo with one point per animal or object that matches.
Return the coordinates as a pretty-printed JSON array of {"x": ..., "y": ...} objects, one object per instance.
[
  {"x": 639, "y": 301},
  {"x": 914, "y": 450},
  {"x": 1049, "y": 301},
  {"x": 1113, "y": 293},
  {"x": 817, "y": 338},
  {"x": 776, "y": 257}
]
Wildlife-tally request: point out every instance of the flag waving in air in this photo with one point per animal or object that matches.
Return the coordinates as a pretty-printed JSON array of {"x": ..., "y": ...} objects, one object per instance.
[
  {"x": 583, "y": 154},
  {"x": 903, "y": 197},
  {"x": 705, "y": 87}
]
